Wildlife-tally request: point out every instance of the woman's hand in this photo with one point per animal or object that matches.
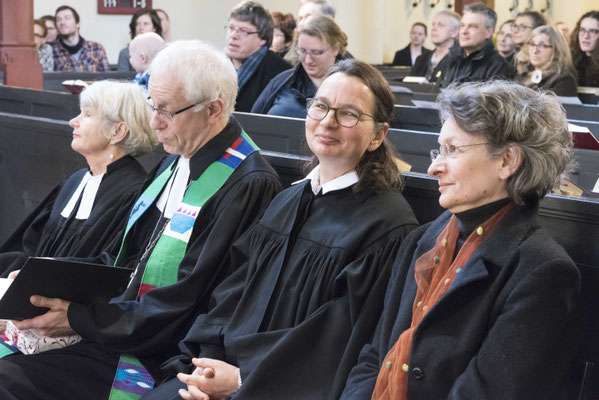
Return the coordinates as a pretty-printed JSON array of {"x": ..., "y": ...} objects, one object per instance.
[
  {"x": 14, "y": 274},
  {"x": 211, "y": 380},
  {"x": 52, "y": 323}
]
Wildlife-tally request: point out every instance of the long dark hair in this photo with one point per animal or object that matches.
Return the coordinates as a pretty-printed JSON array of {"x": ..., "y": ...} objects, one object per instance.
[
  {"x": 153, "y": 16},
  {"x": 592, "y": 68}
]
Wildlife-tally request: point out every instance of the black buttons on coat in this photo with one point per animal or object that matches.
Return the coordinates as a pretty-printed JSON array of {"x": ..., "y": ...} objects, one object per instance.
[{"x": 417, "y": 374}]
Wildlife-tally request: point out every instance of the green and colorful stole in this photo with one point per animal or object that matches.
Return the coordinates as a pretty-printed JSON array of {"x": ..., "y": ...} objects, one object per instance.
[{"x": 131, "y": 379}]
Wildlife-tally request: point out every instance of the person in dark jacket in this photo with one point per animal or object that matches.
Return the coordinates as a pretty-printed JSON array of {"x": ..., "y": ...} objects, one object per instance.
[
  {"x": 406, "y": 57},
  {"x": 545, "y": 62},
  {"x": 584, "y": 44},
  {"x": 249, "y": 36},
  {"x": 482, "y": 302},
  {"x": 476, "y": 58},
  {"x": 319, "y": 42}
]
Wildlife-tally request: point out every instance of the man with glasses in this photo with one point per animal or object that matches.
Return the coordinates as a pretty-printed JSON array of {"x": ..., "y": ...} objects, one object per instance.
[
  {"x": 524, "y": 23},
  {"x": 249, "y": 36},
  {"x": 194, "y": 205},
  {"x": 476, "y": 59}
]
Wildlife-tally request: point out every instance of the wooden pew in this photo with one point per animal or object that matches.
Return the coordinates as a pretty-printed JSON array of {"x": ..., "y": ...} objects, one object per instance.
[
  {"x": 38, "y": 103},
  {"x": 53, "y": 80}
]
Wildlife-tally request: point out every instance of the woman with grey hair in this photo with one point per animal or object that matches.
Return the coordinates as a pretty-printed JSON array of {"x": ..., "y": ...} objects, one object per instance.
[
  {"x": 481, "y": 302},
  {"x": 87, "y": 211}
]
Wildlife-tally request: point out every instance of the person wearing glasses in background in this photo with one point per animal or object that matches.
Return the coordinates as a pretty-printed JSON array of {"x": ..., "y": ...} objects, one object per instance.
[
  {"x": 249, "y": 36},
  {"x": 482, "y": 302},
  {"x": 544, "y": 61},
  {"x": 212, "y": 186},
  {"x": 318, "y": 42},
  {"x": 524, "y": 23},
  {"x": 584, "y": 45},
  {"x": 314, "y": 268},
  {"x": 44, "y": 50}
]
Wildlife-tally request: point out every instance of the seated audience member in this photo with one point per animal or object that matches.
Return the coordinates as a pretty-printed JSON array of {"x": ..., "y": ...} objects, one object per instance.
[
  {"x": 407, "y": 56},
  {"x": 71, "y": 52},
  {"x": 585, "y": 49},
  {"x": 194, "y": 205},
  {"x": 545, "y": 62},
  {"x": 315, "y": 7},
  {"x": 482, "y": 300},
  {"x": 476, "y": 58},
  {"x": 82, "y": 215},
  {"x": 282, "y": 36},
  {"x": 165, "y": 23},
  {"x": 310, "y": 291},
  {"x": 142, "y": 21},
  {"x": 249, "y": 36},
  {"x": 444, "y": 31},
  {"x": 505, "y": 42},
  {"x": 524, "y": 23},
  {"x": 44, "y": 51},
  {"x": 142, "y": 51},
  {"x": 51, "y": 32},
  {"x": 319, "y": 41},
  {"x": 563, "y": 29}
]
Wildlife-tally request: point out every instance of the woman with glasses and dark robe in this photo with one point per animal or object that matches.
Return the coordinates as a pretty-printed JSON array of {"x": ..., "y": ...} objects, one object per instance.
[
  {"x": 289, "y": 324},
  {"x": 482, "y": 301},
  {"x": 319, "y": 43},
  {"x": 88, "y": 210}
]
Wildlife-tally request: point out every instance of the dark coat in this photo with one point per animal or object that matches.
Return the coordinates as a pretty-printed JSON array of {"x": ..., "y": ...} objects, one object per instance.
[
  {"x": 480, "y": 65},
  {"x": 403, "y": 57},
  {"x": 504, "y": 330},
  {"x": 270, "y": 67},
  {"x": 422, "y": 64},
  {"x": 563, "y": 85}
]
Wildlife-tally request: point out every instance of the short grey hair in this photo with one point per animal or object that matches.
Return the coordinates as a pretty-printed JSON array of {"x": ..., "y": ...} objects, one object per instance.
[
  {"x": 479, "y": 8},
  {"x": 201, "y": 70},
  {"x": 326, "y": 8},
  {"x": 504, "y": 114},
  {"x": 453, "y": 17},
  {"x": 123, "y": 102}
]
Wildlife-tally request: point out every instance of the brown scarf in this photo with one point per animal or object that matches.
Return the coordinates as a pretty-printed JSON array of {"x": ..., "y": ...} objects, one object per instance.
[{"x": 434, "y": 272}]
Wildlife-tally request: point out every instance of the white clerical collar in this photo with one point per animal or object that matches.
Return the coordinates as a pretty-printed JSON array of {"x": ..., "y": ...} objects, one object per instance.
[
  {"x": 342, "y": 182},
  {"x": 173, "y": 192},
  {"x": 89, "y": 186}
]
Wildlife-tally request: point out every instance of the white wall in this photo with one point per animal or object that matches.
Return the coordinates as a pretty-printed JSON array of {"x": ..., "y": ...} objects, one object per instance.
[{"x": 376, "y": 28}]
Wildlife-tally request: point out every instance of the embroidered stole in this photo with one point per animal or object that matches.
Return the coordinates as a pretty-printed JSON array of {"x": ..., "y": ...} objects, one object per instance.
[
  {"x": 434, "y": 272},
  {"x": 132, "y": 379}
]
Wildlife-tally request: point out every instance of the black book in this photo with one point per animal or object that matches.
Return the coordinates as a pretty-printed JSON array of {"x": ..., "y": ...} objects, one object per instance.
[{"x": 79, "y": 282}]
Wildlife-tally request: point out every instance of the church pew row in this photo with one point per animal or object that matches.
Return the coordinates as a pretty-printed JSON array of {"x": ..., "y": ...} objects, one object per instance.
[
  {"x": 53, "y": 80},
  {"x": 35, "y": 156}
]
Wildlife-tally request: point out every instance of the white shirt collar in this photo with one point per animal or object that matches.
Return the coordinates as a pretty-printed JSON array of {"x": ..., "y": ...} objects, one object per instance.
[{"x": 342, "y": 182}]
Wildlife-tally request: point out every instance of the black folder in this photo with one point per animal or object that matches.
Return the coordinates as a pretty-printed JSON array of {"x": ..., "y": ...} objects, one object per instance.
[{"x": 79, "y": 282}]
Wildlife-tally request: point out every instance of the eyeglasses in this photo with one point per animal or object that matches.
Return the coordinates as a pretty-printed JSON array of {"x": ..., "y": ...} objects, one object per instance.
[
  {"x": 315, "y": 54},
  {"x": 346, "y": 116},
  {"x": 167, "y": 114},
  {"x": 591, "y": 32},
  {"x": 242, "y": 32},
  {"x": 37, "y": 35},
  {"x": 540, "y": 46},
  {"x": 520, "y": 27},
  {"x": 450, "y": 151}
]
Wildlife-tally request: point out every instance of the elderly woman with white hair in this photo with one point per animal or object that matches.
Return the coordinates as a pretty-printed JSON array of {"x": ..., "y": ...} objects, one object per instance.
[
  {"x": 82, "y": 215},
  {"x": 482, "y": 302}
]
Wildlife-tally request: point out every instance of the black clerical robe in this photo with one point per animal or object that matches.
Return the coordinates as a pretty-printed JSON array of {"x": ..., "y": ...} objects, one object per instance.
[
  {"x": 151, "y": 327},
  {"x": 295, "y": 316},
  {"x": 46, "y": 233}
]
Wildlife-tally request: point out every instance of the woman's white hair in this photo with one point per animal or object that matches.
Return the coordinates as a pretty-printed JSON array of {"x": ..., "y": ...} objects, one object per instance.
[
  {"x": 123, "y": 102},
  {"x": 204, "y": 72}
]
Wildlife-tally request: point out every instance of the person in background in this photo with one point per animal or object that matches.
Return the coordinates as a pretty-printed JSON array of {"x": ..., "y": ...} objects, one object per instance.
[
  {"x": 44, "y": 51},
  {"x": 282, "y": 36},
  {"x": 142, "y": 51},
  {"x": 314, "y": 267},
  {"x": 475, "y": 59},
  {"x": 315, "y": 7},
  {"x": 524, "y": 23},
  {"x": 249, "y": 36},
  {"x": 82, "y": 215},
  {"x": 51, "y": 32},
  {"x": 482, "y": 299},
  {"x": 444, "y": 32},
  {"x": 72, "y": 52},
  {"x": 563, "y": 28},
  {"x": 142, "y": 21},
  {"x": 506, "y": 47},
  {"x": 165, "y": 23},
  {"x": 319, "y": 42},
  {"x": 406, "y": 57},
  {"x": 584, "y": 45},
  {"x": 544, "y": 61}
]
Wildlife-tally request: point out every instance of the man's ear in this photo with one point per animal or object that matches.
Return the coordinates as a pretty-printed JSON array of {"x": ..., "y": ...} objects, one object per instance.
[{"x": 216, "y": 109}]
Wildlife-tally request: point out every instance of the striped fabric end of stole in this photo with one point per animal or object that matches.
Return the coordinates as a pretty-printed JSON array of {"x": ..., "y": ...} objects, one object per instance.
[
  {"x": 131, "y": 380},
  {"x": 6, "y": 347}
]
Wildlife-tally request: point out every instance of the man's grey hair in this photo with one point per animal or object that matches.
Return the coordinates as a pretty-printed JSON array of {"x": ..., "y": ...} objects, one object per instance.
[
  {"x": 453, "y": 18},
  {"x": 326, "y": 8},
  {"x": 490, "y": 15},
  {"x": 201, "y": 70}
]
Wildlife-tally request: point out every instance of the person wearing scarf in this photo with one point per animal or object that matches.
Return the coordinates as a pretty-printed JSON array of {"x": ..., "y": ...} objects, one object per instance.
[{"x": 482, "y": 302}]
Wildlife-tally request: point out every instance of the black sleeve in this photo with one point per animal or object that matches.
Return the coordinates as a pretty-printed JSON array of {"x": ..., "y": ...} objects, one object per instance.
[{"x": 565, "y": 86}]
